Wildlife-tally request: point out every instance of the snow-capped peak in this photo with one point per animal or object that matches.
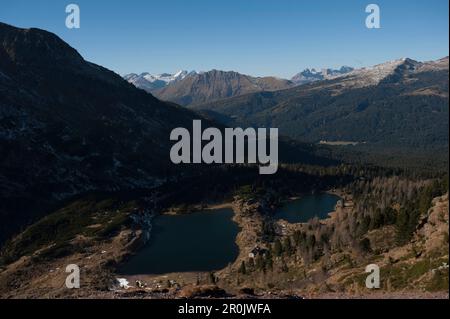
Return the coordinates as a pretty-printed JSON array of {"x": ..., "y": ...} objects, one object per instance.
[
  {"x": 180, "y": 73},
  {"x": 167, "y": 77},
  {"x": 374, "y": 75},
  {"x": 148, "y": 81}
]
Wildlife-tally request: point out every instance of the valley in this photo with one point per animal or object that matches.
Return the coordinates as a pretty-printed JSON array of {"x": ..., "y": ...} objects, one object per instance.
[{"x": 87, "y": 178}]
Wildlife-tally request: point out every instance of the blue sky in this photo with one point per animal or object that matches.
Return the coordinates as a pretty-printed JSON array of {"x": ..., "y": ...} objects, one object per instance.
[{"x": 257, "y": 37}]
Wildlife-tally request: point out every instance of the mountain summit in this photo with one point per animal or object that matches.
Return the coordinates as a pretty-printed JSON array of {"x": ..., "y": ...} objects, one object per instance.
[
  {"x": 149, "y": 82},
  {"x": 188, "y": 88}
]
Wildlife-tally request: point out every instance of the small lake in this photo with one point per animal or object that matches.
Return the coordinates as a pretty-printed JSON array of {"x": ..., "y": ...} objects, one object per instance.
[
  {"x": 307, "y": 207},
  {"x": 199, "y": 241}
]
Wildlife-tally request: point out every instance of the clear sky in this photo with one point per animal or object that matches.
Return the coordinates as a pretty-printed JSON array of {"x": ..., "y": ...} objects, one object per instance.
[{"x": 257, "y": 37}]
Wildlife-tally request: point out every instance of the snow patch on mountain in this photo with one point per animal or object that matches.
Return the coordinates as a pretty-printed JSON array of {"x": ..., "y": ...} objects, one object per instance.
[
  {"x": 381, "y": 72},
  {"x": 313, "y": 75},
  {"x": 149, "y": 82}
]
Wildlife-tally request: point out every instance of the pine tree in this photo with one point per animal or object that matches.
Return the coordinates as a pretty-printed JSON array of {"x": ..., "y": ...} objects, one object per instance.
[
  {"x": 277, "y": 248},
  {"x": 268, "y": 260},
  {"x": 287, "y": 247},
  {"x": 251, "y": 264},
  {"x": 212, "y": 278},
  {"x": 259, "y": 262},
  {"x": 243, "y": 269}
]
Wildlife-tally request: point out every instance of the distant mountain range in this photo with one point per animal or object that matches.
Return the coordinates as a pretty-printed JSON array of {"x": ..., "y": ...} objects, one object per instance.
[
  {"x": 154, "y": 83},
  {"x": 190, "y": 88},
  {"x": 397, "y": 106},
  {"x": 400, "y": 105},
  {"x": 215, "y": 85}
]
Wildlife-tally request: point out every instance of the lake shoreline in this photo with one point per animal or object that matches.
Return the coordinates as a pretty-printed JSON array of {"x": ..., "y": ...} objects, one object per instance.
[
  {"x": 198, "y": 208},
  {"x": 289, "y": 216},
  {"x": 193, "y": 254}
]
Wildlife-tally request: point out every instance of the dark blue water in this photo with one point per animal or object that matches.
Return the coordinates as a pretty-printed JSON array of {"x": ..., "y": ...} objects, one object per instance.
[
  {"x": 310, "y": 206},
  {"x": 201, "y": 241}
]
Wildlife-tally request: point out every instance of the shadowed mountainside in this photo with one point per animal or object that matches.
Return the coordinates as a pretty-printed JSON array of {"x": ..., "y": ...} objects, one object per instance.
[{"x": 69, "y": 126}]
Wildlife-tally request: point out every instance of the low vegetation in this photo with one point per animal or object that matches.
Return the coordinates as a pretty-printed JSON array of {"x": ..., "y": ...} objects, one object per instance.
[{"x": 93, "y": 217}]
